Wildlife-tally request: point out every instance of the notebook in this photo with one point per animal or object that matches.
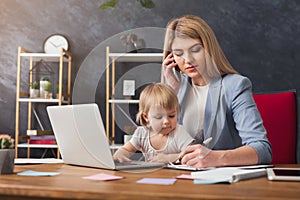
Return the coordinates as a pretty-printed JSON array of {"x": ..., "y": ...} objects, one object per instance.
[{"x": 81, "y": 138}]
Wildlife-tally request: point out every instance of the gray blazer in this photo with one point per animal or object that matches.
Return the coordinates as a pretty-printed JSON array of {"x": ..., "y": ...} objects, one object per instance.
[{"x": 231, "y": 117}]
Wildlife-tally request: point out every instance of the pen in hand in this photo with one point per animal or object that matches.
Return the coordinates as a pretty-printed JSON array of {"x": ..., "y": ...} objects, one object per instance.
[
  {"x": 207, "y": 141},
  {"x": 204, "y": 143}
]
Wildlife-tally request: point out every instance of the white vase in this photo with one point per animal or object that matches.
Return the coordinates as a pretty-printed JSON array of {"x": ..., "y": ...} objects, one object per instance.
[
  {"x": 7, "y": 159},
  {"x": 127, "y": 138},
  {"x": 42, "y": 88}
]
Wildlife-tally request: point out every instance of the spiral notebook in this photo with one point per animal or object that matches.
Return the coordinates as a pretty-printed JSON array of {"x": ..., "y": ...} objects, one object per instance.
[{"x": 227, "y": 175}]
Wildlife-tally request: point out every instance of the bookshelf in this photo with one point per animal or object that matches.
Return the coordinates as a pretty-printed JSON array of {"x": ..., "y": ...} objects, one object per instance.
[
  {"x": 111, "y": 60},
  {"x": 26, "y": 61}
]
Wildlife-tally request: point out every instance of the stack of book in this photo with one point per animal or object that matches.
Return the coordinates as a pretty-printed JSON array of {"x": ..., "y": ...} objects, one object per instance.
[{"x": 41, "y": 137}]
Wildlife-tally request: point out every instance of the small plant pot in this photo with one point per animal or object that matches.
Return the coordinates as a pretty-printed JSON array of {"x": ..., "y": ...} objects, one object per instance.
[
  {"x": 47, "y": 95},
  {"x": 34, "y": 93},
  {"x": 7, "y": 159}
]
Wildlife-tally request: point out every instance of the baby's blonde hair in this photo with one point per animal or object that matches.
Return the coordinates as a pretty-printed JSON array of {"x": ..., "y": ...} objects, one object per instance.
[{"x": 156, "y": 94}]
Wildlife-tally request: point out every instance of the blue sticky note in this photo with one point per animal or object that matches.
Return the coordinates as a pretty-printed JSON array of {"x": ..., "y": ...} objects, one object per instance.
[
  {"x": 159, "y": 181},
  {"x": 37, "y": 173}
]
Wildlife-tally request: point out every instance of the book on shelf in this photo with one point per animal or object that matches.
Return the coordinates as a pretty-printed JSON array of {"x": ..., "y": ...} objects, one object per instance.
[
  {"x": 44, "y": 139},
  {"x": 39, "y": 132}
]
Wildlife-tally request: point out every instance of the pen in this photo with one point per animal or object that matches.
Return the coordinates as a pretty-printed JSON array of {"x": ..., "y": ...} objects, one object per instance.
[{"x": 205, "y": 142}]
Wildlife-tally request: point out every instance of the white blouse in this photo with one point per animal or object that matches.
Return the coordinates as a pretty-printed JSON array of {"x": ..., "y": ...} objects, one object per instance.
[{"x": 195, "y": 107}]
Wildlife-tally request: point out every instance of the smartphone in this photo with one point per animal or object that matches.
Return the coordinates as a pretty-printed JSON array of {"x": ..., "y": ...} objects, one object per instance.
[
  {"x": 283, "y": 174},
  {"x": 176, "y": 70},
  {"x": 176, "y": 67}
]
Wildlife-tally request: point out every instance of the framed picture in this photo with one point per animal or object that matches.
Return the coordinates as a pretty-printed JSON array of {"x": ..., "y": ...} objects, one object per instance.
[{"x": 128, "y": 87}]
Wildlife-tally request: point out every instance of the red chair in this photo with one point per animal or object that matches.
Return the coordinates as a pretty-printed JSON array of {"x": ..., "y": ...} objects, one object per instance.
[{"x": 279, "y": 113}]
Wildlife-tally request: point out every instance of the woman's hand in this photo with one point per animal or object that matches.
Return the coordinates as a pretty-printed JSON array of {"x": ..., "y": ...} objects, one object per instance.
[
  {"x": 198, "y": 156},
  {"x": 168, "y": 72}
]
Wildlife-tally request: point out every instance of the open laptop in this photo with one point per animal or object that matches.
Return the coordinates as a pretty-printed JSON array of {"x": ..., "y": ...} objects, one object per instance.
[{"x": 81, "y": 138}]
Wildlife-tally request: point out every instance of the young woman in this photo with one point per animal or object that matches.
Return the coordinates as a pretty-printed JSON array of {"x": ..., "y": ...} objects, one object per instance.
[
  {"x": 215, "y": 100},
  {"x": 160, "y": 138}
]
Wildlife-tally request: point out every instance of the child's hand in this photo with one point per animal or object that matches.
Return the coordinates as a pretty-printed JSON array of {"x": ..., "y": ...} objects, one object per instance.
[{"x": 122, "y": 155}]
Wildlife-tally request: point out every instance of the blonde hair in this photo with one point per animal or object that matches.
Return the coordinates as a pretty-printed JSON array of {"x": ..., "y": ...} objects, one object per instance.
[
  {"x": 156, "y": 94},
  {"x": 194, "y": 27}
]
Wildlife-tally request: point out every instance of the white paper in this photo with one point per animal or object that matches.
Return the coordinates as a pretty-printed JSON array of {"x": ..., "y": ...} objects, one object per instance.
[
  {"x": 187, "y": 168},
  {"x": 37, "y": 160}
]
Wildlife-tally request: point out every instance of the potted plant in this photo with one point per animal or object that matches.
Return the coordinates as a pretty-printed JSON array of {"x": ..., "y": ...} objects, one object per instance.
[
  {"x": 34, "y": 90},
  {"x": 112, "y": 3},
  {"x": 7, "y": 154},
  {"x": 44, "y": 81},
  {"x": 48, "y": 92},
  {"x": 129, "y": 130},
  {"x": 130, "y": 41}
]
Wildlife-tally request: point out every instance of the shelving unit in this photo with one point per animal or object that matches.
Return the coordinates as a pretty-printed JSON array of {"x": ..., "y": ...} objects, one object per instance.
[
  {"x": 61, "y": 59},
  {"x": 111, "y": 59}
]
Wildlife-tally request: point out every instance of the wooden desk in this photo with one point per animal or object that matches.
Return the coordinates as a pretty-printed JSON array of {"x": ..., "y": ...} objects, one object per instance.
[{"x": 70, "y": 185}]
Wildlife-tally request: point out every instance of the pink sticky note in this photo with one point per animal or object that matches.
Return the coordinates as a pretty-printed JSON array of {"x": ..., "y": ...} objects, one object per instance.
[
  {"x": 103, "y": 177},
  {"x": 184, "y": 176}
]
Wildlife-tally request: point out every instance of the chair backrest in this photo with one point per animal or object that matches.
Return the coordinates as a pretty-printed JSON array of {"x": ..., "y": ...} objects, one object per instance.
[{"x": 279, "y": 114}]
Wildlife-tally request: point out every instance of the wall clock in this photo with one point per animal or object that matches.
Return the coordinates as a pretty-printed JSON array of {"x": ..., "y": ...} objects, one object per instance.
[{"x": 55, "y": 42}]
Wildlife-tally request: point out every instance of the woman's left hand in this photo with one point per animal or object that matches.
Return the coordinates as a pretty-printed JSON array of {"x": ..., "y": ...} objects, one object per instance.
[{"x": 168, "y": 66}]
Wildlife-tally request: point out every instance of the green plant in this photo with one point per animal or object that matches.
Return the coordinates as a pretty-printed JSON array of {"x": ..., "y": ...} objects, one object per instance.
[
  {"x": 48, "y": 87},
  {"x": 112, "y": 3},
  {"x": 45, "y": 78},
  {"x": 34, "y": 85},
  {"x": 133, "y": 11},
  {"x": 6, "y": 142}
]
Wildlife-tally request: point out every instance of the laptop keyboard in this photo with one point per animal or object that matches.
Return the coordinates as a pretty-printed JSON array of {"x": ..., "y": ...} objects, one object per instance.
[{"x": 117, "y": 163}]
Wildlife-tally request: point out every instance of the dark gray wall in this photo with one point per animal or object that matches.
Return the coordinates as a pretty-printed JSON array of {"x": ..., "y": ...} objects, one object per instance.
[{"x": 260, "y": 38}]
